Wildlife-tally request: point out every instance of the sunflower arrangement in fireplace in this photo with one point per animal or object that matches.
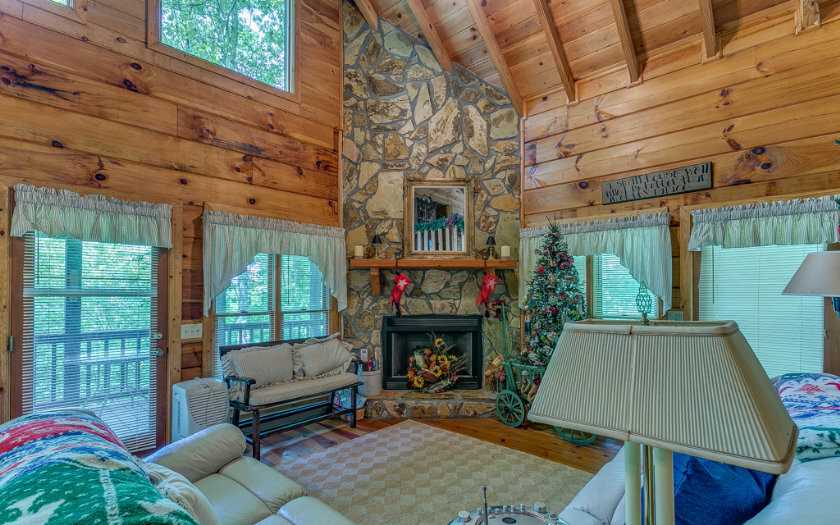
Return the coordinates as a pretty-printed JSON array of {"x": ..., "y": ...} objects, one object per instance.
[{"x": 436, "y": 367}]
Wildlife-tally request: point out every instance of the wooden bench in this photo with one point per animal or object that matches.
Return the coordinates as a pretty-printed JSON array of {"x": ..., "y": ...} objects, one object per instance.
[{"x": 312, "y": 400}]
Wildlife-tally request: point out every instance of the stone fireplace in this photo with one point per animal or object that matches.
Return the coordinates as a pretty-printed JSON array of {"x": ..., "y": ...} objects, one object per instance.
[
  {"x": 401, "y": 336},
  {"x": 406, "y": 120}
]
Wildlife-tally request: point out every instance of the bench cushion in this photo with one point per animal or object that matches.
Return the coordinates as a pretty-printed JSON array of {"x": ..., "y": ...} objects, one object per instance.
[
  {"x": 317, "y": 358},
  {"x": 309, "y": 387},
  {"x": 265, "y": 365}
]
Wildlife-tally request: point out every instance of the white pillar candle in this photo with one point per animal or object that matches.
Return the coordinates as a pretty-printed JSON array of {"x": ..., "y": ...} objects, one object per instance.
[
  {"x": 505, "y": 251},
  {"x": 359, "y": 251}
]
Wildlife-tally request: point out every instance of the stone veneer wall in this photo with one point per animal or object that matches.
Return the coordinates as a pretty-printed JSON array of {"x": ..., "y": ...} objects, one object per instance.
[{"x": 405, "y": 117}]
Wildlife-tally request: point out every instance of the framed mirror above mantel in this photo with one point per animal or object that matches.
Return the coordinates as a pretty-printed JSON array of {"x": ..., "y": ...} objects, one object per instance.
[{"x": 438, "y": 219}]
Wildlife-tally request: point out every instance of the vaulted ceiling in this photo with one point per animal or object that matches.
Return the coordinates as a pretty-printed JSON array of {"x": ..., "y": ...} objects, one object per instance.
[{"x": 536, "y": 47}]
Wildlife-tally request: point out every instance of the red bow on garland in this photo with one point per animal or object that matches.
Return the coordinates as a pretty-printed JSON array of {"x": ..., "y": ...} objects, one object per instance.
[
  {"x": 401, "y": 282},
  {"x": 488, "y": 286}
]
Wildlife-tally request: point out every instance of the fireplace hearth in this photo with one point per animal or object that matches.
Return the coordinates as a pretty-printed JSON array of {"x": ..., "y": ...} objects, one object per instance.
[{"x": 404, "y": 334}]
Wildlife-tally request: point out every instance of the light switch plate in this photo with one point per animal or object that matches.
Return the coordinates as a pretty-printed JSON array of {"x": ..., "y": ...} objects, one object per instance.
[{"x": 191, "y": 331}]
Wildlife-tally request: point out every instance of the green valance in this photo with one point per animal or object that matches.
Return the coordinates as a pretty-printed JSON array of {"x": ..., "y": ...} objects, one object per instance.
[
  {"x": 98, "y": 218},
  {"x": 232, "y": 241},
  {"x": 812, "y": 220},
  {"x": 642, "y": 242}
]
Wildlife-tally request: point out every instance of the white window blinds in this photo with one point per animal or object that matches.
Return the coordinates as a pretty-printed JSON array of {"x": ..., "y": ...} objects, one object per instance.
[
  {"x": 90, "y": 333},
  {"x": 614, "y": 291},
  {"x": 745, "y": 285},
  {"x": 305, "y": 301},
  {"x": 247, "y": 310}
]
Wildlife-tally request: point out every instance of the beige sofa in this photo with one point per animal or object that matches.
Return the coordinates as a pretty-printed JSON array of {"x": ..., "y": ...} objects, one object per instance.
[{"x": 240, "y": 489}]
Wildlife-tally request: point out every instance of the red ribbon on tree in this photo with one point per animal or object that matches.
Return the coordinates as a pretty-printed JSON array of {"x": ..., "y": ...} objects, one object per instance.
[
  {"x": 488, "y": 286},
  {"x": 401, "y": 282}
]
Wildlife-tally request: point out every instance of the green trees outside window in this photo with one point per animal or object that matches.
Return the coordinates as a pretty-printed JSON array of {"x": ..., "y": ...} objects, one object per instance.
[{"x": 250, "y": 37}]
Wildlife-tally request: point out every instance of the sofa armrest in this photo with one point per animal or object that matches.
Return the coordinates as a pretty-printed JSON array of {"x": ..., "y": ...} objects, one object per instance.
[{"x": 203, "y": 453}]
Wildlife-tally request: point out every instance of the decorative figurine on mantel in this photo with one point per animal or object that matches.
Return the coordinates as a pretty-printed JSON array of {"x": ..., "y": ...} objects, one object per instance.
[
  {"x": 378, "y": 246},
  {"x": 489, "y": 252}
]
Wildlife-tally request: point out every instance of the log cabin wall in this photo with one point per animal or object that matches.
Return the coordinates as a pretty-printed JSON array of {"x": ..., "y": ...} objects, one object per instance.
[
  {"x": 87, "y": 105},
  {"x": 766, "y": 113}
]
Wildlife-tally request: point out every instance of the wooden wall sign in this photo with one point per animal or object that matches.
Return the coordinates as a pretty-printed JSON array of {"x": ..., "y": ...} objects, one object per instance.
[{"x": 658, "y": 184}]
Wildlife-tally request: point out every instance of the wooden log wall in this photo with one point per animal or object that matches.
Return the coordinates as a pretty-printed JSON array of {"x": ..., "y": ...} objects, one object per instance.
[
  {"x": 87, "y": 105},
  {"x": 766, "y": 114}
]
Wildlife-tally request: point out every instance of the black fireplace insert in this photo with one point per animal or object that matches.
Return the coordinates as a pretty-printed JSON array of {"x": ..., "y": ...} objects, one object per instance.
[{"x": 402, "y": 335}]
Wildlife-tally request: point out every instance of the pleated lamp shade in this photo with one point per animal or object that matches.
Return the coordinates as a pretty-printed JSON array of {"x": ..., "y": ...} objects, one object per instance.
[{"x": 690, "y": 387}]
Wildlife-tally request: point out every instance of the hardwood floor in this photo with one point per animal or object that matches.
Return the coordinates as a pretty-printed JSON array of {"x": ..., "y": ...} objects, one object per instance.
[{"x": 311, "y": 439}]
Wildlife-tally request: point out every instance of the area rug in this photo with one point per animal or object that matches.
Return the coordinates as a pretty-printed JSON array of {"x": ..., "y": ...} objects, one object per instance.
[{"x": 414, "y": 474}]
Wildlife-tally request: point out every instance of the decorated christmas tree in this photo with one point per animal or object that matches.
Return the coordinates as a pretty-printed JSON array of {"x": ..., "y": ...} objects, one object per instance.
[{"x": 553, "y": 296}]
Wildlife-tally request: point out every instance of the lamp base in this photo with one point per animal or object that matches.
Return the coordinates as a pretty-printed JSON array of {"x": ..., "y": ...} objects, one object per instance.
[{"x": 657, "y": 465}]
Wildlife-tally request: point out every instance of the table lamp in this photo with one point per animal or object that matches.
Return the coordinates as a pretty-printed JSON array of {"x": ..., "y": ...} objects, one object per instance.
[
  {"x": 819, "y": 275},
  {"x": 690, "y": 387}
]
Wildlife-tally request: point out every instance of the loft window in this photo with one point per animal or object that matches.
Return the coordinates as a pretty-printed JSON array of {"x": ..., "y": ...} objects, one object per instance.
[{"x": 253, "y": 38}]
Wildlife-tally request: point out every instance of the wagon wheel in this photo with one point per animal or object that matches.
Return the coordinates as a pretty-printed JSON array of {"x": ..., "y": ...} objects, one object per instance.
[
  {"x": 576, "y": 437},
  {"x": 510, "y": 409}
]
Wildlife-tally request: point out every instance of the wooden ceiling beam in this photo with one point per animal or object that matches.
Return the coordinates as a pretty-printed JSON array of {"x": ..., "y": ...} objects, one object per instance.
[
  {"x": 709, "y": 28},
  {"x": 556, "y": 46},
  {"x": 626, "y": 37},
  {"x": 482, "y": 25},
  {"x": 807, "y": 15},
  {"x": 430, "y": 32},
  {"x": 369, "y": 12}
]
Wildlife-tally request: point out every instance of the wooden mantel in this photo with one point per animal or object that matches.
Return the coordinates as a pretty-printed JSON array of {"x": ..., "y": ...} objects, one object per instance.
[{"x": 462, "y": 263}]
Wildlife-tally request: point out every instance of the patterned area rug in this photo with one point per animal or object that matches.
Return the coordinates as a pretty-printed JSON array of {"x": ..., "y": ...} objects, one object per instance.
[{"x": 414, "y": 474}]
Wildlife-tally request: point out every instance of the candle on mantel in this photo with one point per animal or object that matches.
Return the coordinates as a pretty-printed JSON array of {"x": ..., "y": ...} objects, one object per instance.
[
  {"x": 505, "y": 252},
  {"x": 359, "y": 251}
]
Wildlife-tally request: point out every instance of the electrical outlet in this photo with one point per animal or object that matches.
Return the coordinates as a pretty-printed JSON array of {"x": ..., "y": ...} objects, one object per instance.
[{"x": 191, "y": 331}]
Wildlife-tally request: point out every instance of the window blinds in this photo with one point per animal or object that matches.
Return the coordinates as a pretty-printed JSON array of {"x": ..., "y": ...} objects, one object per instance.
[
  {"x": 305, "y": 301},
  {"x": 745, "y": 285},
  {"x": 90, "y": 333},
  {"x": 614, "y": 291}
]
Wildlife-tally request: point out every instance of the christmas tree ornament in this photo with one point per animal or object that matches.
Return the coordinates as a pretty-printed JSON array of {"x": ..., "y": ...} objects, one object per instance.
[{"x": 554, "y": 296}]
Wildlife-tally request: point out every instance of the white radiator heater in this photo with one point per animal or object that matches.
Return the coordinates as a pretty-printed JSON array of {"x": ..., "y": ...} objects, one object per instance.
[{"x": 196, "y": 405}]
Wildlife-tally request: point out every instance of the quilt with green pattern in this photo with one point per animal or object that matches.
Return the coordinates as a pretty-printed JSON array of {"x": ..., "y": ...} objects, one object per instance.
[{"x": 69, "y": 468}]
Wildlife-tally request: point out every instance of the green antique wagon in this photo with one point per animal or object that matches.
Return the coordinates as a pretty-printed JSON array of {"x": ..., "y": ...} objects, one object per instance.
[{"x": 517, "y": 392}]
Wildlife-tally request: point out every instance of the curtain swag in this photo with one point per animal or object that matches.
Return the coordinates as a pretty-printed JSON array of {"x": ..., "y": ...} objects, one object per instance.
[
  {"x": 798, "y": 221},
  {"x": 642, "y": 242},
  {"x": 232, "y": 241},
  {"x": 99, "y": 218}
]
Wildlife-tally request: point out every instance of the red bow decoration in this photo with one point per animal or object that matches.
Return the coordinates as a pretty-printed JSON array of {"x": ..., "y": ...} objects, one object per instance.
[
  {"x": 488, "y": 286},
  {"x": 401, "y": 282}
]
